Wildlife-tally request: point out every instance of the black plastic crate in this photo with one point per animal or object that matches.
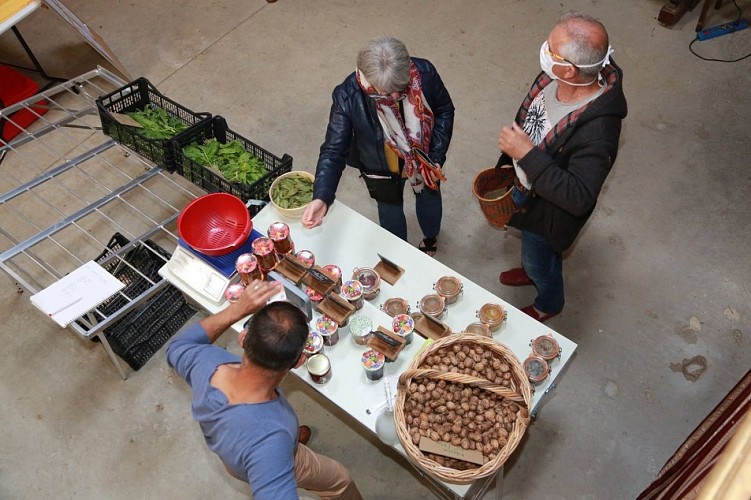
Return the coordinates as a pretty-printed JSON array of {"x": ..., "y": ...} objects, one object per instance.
[
  {"x": 143, "y": 331},
  {"x": 145, "y": 258},
  {"x": 135, "y": 96},
  {"x": 213, "y": 181}
]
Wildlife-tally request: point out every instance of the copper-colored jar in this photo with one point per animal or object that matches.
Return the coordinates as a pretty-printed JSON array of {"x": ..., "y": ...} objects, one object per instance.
[
  {"x": 449, "y": 287},
  {"x": 278, "y": 232},
  {"x": 247, "y": 267},
  {"x": 546, "y": 347},
  {"x": 306, "y": 257},
  {"x": 394, "y": 306},
  {"x": 433, "y": 305},
  {"x": 263, "y": 249},
  {"x": 536, "y": 368},
  {"x": 370, "y": 280},
  {"x": 478, "y": 328},
  {"x": 336, "y": 273},
  {"x": 492, "y": 315}
]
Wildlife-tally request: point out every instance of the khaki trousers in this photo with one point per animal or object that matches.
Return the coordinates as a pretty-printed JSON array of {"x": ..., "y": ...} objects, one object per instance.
[{"x": 323, "y": 476}]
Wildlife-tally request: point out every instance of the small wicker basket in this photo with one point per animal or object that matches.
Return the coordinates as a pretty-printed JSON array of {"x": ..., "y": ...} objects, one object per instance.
[
  {"x": 492, "y": 188},
  {"x": 517, "y": 393}
]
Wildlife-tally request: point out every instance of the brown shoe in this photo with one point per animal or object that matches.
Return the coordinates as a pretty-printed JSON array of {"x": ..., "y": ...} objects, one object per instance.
[
  {"x": 303, "y": 435},
  {"x": 515, "y": 277}
]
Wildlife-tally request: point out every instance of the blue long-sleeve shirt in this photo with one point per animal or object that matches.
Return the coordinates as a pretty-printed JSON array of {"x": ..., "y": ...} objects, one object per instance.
[{"x": 256, "y": 441}]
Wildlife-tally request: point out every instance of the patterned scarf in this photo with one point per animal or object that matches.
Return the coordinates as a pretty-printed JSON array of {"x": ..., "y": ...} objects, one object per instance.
[{"x": 415, "y": 129}]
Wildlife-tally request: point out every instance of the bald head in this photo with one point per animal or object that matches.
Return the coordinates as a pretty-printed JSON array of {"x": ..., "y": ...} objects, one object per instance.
[{"x": 582, "y": 40}]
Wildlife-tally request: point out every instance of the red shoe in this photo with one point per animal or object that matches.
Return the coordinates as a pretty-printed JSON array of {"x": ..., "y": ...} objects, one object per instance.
[
  {"x": 303, "y": 435},
  {"x": 515, "y": 277},
  {"x": 531, "y": 312}
]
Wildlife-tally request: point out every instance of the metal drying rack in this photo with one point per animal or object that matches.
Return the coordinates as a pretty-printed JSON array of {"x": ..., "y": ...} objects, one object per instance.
[{"x": 69, "y": 187}]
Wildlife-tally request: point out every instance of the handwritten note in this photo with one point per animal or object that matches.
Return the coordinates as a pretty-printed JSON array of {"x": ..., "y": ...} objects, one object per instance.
[{"x": 77, "y": 293}]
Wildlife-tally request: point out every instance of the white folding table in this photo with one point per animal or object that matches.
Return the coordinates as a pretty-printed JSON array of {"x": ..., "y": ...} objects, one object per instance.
[{"x": 349, "y": 240}]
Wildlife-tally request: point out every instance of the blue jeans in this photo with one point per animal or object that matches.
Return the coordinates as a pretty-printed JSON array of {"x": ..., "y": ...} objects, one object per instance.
[
  {"x": 429, "y": 210},
  {"x": 543, "y": 265}
]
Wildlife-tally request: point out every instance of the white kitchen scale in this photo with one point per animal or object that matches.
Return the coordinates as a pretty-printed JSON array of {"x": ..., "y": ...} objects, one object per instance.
[{"x": 207, "y": 275}]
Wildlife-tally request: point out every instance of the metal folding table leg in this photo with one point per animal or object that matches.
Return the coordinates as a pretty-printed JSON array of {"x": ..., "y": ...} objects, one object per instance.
[{"x": 51, "y": 80}]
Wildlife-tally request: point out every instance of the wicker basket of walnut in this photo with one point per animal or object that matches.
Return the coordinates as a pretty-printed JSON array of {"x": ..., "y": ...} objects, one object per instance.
[{"x": 469, "y": 391}]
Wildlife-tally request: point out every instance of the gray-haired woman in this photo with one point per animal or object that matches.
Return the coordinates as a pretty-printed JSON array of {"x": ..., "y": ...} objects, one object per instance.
[{"x": 383, "y": 117}]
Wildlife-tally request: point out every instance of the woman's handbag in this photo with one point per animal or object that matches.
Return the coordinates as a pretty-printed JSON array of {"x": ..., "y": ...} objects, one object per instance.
[{"x": 386, "y": 188}]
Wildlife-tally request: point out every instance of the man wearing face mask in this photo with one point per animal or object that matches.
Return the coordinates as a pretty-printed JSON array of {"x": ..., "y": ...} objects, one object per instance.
[{"x": 562, "y": 145}]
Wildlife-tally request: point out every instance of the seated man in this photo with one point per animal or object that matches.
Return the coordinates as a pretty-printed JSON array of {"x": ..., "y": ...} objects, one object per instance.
[{"x": 243, "y": 413}]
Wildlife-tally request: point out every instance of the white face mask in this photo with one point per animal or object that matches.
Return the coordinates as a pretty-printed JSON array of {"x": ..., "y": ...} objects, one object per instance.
[{"x": 547, "y": 62}]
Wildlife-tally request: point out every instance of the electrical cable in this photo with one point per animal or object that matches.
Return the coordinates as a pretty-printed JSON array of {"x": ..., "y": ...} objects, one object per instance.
[{"x": 690, "y": 45}]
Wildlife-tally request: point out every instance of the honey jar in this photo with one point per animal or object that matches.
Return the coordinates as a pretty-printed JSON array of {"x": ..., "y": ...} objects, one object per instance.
[
  {"x": 478, "y": 328},
  {"x": 546, "y": 347},
  {"x": 536, "y": 368},
  {"x": 329, "y": 330},
  {"x": 233, "y": 292},
  {"x": 432, "y": 305},
  {"x": 492, "y": 315},
  {"x": 278, "y": 233},
  {"x": 394, "y": 306},
  {"x": 313, "y": 344},
  {"x": 449, "y": 287},
  {"x": 360, "y": 328},
  {"x": 404, "y": 326}
]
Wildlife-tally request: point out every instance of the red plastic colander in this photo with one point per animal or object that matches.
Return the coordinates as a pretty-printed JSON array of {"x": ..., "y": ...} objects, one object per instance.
[{"x": 215, "y": 224}]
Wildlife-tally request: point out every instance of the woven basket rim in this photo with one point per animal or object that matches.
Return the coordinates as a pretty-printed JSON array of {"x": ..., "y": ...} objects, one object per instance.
[
  {"x": 522, "y": 386},
  {"x": 482, "y": 198}
]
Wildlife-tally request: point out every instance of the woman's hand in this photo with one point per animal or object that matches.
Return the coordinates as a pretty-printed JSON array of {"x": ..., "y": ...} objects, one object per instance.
[{"x": 314, "y": 213}]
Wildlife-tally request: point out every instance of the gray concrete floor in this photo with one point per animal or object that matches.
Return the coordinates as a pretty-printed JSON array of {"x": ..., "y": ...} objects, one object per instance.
[{"x": 659, "y": 275}]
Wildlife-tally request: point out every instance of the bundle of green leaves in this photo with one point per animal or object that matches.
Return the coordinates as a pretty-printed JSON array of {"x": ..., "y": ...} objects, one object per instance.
[
  {"x": 157, "y": 123},
  {"x": 232, "y": 159},
  {"x": 293, "y": 192}
]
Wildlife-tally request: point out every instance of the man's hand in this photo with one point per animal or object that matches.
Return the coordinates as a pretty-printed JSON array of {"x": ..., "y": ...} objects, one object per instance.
[
  {"x": 256, "y": 295},
  {"x": 514, "y": 142},
  {"x": 314, "y": 213}
]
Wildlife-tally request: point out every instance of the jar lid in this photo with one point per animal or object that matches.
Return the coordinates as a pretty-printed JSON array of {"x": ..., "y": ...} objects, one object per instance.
[
  {"x": 278, "y": 231},
  {"x": 246, "y": 263},
  {"x": 306, "y": 257},
  {"x": 369, "y": 278},
  {"x": 352, "y": 289},
  {"x": 536, "y": 368},
  {"x": 395, "y": 305},
  {"x": 546, "y": 347},
  {"x": 326, "y": 325},
  {"x": 432, "y": 304},
  {"x": 403, "y": 324},
  {"x": 360, "y": 326},
  {"x": 262, "y": 246},
  {"x": 478, "y": 328},
  {"x": 313, "y": 343},
  {"x": 492, "y": 314},
  {"x": 333, "y": 270},
  {"x": 318, "y": 364},
  {"x": 448, "y": 286},
  {"x": 372, "y": 359}
]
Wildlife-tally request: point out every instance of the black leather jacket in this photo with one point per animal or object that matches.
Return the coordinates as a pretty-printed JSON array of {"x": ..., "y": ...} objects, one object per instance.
[{"x": 354, "y": 135}]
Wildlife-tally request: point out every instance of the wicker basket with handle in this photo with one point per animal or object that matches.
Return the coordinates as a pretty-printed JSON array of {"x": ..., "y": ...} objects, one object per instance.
[
  {"x": 508, "y": 399},
  {"x": 492, "y": 188}
]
